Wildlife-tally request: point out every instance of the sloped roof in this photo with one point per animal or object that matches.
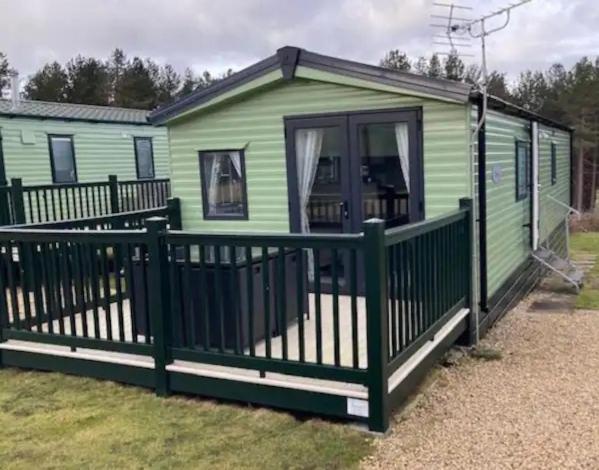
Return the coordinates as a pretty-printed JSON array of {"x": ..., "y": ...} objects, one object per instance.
[
  {"x": 288, "y": 58},
  {"x": 73, "y": 112}
]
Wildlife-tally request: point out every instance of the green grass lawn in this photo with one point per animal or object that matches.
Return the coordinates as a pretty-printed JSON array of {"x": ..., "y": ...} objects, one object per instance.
[
  {"x": 51, "y": 420},
  {"x": 581, "y": 244}
]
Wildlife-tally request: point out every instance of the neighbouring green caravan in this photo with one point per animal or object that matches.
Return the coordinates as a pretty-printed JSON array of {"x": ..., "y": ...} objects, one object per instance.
[
  {"x": 304, "y": 142},
  {"x": 45, "y": 143}
]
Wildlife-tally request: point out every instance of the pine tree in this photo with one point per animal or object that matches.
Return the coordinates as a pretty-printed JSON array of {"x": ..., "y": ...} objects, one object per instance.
[
  {"x": 137, "y": 87},
  {"x": 189, "y": 83},
  {"x": 4, "y": 78},
  {"x": 396, "y": 60},
  {"x": 48, "y": 84},
  {"x": 88, "y": 81},
  {"x": 421, "y": 66},
  {"x": 168, "y": 84},
  {"x": 434, "y": 69},
  {"x": 497, "y": 86},
  {"x": 453, "y": 67}
]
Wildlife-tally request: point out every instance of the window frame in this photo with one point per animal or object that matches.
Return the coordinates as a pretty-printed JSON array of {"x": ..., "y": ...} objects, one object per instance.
[
  {"x": 553, "y": 163},
  {"x": 51, "y": 153},
  {"x": 526, "y": 145},
  {"x": 135, "y": 139},
  {"x": 245, "y": 212}
]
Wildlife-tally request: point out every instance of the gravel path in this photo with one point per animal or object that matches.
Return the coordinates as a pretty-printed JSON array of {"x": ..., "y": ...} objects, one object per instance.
[{"x": 536, "y": 407}]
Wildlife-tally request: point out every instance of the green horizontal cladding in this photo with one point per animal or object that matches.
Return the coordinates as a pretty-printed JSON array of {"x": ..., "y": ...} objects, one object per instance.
[
  {"x": 552, "y": 214},
  {"x": 255, "y": 122},
  {"x": 100, "y": 148},
  {"x": 508, "y": 239}
]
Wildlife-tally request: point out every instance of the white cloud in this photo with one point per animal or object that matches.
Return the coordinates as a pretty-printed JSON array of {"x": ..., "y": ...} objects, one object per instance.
[{"x": 216, "y": 35}]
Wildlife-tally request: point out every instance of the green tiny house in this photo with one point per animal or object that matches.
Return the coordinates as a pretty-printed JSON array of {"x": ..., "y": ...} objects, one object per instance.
[
  {"x": 261, "y": 112},
  {"x": 86, "y": 143}
]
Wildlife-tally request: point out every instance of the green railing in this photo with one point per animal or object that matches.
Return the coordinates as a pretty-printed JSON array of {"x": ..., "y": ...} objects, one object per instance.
[
  {"x": 311, "y": 307},
  {"x": 42, "y": 203}
]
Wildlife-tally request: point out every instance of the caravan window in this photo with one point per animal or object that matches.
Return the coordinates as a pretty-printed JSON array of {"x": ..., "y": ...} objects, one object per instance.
[
  {"x": 522, "y": 170},
  {"x": 553, "y": 163},
  {"x": 224, "y": 192},
  {"x": 62, "y": 158},
  {"x": 144, "y": 157}
]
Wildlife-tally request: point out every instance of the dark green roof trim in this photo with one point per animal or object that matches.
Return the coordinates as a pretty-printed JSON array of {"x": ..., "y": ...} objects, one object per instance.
[
  {"x": 288, "y": 58},
  {"x": 33, "y": 109}
]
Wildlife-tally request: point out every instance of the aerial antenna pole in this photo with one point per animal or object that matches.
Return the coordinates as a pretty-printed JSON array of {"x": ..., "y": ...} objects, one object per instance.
[{"x": 478, "y": 29}]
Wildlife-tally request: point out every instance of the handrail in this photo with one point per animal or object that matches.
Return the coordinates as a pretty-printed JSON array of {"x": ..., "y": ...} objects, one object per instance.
[
  {"x": 119, "y": 216},
  {"x": 564, "y": 205},
  {"x": 399, "y": 234}
]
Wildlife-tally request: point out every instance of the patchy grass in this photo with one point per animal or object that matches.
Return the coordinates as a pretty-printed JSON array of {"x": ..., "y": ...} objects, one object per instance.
[
  {"x": 51, "y": 420},
  {"x": 581, "y": 244},
  {"x": 486, "y": 354}
]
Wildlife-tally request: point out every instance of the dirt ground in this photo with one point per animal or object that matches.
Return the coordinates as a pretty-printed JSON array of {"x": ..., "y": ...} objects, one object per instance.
[{"x": 530, "y": 401}]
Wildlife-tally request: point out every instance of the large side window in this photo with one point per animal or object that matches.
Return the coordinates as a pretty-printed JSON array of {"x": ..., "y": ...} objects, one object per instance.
[
  {"x": 62, "y": 158},
  {"x": 553, "y": 163},
  {"x": 144, "y": 157},
  {"x": 224, "y": 192},
  {"x": 522, "y": 170}
]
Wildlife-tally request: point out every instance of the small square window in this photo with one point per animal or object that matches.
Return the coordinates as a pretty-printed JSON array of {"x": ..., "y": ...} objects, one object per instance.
[
  {"x": 224, "y": 192},
  {"x": 522, "y": 170},
  {"x": 144, "y": 157},
  {"x": 553, "y": 163},
  {"x": 62, "y": 158}
]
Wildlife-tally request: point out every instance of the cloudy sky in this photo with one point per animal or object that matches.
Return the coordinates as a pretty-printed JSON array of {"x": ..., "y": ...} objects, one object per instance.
[{"x": 215, "y": 35}]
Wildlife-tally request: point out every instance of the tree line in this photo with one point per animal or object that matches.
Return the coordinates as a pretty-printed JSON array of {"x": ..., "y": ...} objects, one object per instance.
[
  {"x": 118, "y": 81},
  {"x": 568, "y": 95}
]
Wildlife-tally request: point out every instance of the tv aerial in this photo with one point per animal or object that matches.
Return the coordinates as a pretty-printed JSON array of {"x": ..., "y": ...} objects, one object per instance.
[{"x": 458, "y": 31}]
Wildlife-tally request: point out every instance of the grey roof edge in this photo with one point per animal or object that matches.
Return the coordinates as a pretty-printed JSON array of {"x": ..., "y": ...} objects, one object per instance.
[
  {"x": 16, "y": 114},
  {"x": 200, "y": 96},
  {"x": 289, "y": 57},
  {"x": 498, "y": 104}
]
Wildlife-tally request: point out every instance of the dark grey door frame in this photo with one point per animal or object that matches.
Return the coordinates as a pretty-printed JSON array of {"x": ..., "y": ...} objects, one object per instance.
[
  {"x": 414, "y": 120},
  {"x": 291, "y": 125},
  {"x": 348, "y": 122}
]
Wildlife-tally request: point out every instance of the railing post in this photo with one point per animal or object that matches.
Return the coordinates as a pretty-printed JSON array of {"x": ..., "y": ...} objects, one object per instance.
[
  {"x": 18, "y": 201},
  {"x": 158, "y": 292},
  {"x": 471, "y": 336},
  {"x": 173, "y": 205},
  {"x": 113, "y": 186},
  {"x": 375, "y": 267}
]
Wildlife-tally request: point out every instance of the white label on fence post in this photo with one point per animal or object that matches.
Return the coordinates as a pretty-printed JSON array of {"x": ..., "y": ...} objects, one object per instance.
[{"x": 357, "y": 407}]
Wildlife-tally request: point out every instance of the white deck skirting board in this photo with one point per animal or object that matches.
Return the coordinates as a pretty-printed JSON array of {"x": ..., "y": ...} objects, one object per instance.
[
  {"x": 407, "y": 367},
  {"x": 111, "y": 357},
  {"x": 308, "y": 384}
]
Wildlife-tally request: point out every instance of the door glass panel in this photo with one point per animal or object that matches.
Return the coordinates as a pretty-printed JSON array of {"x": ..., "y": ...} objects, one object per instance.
[
  {"x": 384, "y": 172},
  {"x": 324, "y": 211},
  {"x": 320, "y": 185}
]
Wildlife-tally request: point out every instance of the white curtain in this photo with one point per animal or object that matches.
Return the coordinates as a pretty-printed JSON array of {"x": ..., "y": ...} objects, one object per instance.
[
  {"x": 236, "y": 160},
  {"x": 308, "y": 144},
  {"x": 403, "y": 148},
  {"x": 215, "y": 171}
]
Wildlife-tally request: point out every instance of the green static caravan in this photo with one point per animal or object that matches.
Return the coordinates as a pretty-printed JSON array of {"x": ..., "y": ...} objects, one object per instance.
[
  {"x": 45, "y": 143},
  {"x": 302, "y": 142}
]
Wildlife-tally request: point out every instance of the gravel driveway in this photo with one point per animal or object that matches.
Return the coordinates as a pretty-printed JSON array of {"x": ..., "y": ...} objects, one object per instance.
[{"x": 535, "y": 407}]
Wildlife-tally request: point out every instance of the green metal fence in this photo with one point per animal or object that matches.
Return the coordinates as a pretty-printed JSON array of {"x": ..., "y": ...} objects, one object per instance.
[
  {"x": 42, "y": 203},
  {"x": 316, "y": 323}
]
